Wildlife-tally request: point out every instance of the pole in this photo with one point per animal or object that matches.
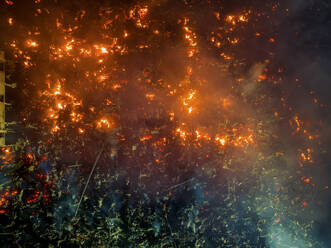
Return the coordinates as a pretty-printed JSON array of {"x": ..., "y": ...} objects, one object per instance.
[
  {"x": 2, "y": 100},
  {"x": 88, "y": 180}
]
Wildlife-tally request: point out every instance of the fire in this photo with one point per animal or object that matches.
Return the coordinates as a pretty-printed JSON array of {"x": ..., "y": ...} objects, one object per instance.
[
  {"x": 145, "y": 138},
  {"x": 11, "y": 21},
  {"x": 55, "y": 129},
  {"x": 104, "y": 124},
  {"x": 116, "y": 86},
  {"x": 58, "y": 90},
  {"x": 76, "y": 117},
  {"x": 232, "y": 19},
  {"x": 200, "y": 135},
  {"x": 143, "y": 12},
  {"x": 181, "y": 133},
  {"x": 80, "y": 65},
  {"x": 60, "y": 106},
  {"x": 104, "y": 50},
  {"x": 305, "y": 157},
  {"x": 69, "y": 45},
  {"x": 243, "y": 18},
  {"x": 102, "y": 78},
  {"x": 221, "y": 141},
  {"x": 191, "y": 39},
  {"x": 150, "y": 96},
  {"x": 225, "y": 102},
  {"x": 31, "y": 43},
  {"x": 9, "y": 2},
  {"x": 191, "y": 95},
  {"x": 139, "y": 15},
  {"x": 188, "y": 101},
  {"x": 34, "y": 198}
]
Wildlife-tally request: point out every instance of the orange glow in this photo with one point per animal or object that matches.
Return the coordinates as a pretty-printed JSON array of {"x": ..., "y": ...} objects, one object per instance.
[
  {"x": 181, "y": 133},
  {"x": 102, "y": 78},
  {"x": 150, "y": 96},
  {"x": 225, "y": 103},
  {"x": 104, "y": 50},
  {"x": 230, "y": 19},
  {"x": 307, "y": 180},
  {"x": 104, "y": 124},
  {"x": 243, "y": 18},
  {"x": 31, "y": 43},
  {"x": 209, "y": 100},
  {"x": 9, "y": 2},
  {"x": 221, "y": 141},
  {"x": 117, "y": 86},
  {"x": 55, "y": 129},
  {"x": 69, "y": 45},
  {"x": 11, "y": 21},
  {"x": 262, "y": 77},
  {"x": 148, "y": 137},
  {"x": 60, "y": 106}
]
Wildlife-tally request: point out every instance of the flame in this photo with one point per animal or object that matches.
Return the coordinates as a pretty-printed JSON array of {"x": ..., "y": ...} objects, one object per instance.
[
  {"x": 221, "y": 140},
  {"x": 181, "y": 133},
  {"x": 104, "y": 50},
  {"x": 145, "y": 138},
  {"x": 64, "y": 104},
  {"x": 60, "y": 106},
  {"x": 31, "y": 43},
  {"x": 104, "y": 124},
  {"x": 55, "y": 129},
  {"x": 9, "y": 2},
  {"x": 150, "y": 96},
  {"x": 188, "y": 101},
  {"x": 11, "y": 21}
]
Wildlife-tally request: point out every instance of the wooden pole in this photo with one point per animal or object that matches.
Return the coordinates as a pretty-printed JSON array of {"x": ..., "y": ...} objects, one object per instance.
[{"x": 2, "y": 100}]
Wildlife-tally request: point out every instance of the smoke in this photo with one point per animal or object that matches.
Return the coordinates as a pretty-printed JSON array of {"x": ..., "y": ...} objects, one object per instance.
[
  {"x": 299, "y": 49},
  {"x": 280, "y": 237},
  {"x": 304, "y": 48}
]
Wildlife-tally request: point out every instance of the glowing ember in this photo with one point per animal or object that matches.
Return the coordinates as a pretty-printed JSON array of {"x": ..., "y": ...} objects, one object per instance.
[
  {"x": 104, "y": 124},
  {"x": 146, "y": 81},
  {"x": 31, "y": 43}
]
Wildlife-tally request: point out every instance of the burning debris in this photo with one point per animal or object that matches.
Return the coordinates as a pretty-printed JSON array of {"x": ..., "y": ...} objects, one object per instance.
[{"x": 202, "y": 145}]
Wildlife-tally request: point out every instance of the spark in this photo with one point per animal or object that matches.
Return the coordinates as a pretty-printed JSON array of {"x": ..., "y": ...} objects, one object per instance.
[
  {"x": 221, "y": 140},
  {"x": 55, "y": 129},
  {"x": 181, "y": 133},
  {"x": 31, "y": 43},
  {"x": 60, "y": 106},
  {"x": 150, "y": 96},
  {"x": 145, "y": 138},
  {"x": 104, "y": 50},
  {"x": 11, "y": 21},
  {"x": 104, "y": 124}
]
